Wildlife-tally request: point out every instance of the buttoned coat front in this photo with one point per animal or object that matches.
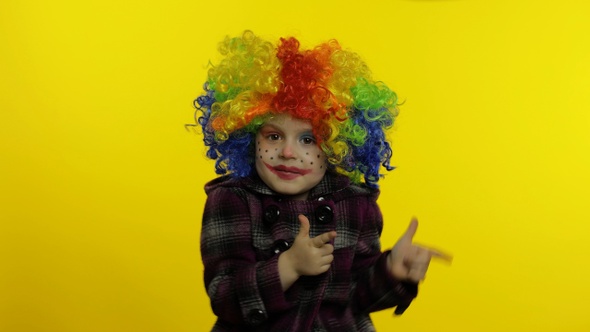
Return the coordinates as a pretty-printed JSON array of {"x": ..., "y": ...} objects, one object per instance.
[{"x": 246, "y": 226}]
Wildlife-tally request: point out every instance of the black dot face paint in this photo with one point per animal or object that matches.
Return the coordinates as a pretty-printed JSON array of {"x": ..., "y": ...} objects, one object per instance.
[{"x": 287, "y": 162}]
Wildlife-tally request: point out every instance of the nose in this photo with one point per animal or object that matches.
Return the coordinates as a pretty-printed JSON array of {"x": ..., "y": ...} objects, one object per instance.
[{"x": 287, "y": 151}]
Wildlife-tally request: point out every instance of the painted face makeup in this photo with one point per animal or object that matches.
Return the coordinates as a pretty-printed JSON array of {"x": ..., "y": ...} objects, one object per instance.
[{"x": 288, "y": 159}]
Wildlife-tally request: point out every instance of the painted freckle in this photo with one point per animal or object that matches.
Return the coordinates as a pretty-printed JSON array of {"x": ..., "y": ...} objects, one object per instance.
[
  {"x": 265, "y": 150},
  {"x": 318, "y": 156},
  {"x": 271, "y": 158},
  {"x": 307, "y": 153},
  {"x": 311, "y": 163},
  {"x": 301, "y": 160}
]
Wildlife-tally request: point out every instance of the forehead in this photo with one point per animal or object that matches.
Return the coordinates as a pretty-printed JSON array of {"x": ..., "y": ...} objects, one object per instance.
[{"x": 287, "y": 122}]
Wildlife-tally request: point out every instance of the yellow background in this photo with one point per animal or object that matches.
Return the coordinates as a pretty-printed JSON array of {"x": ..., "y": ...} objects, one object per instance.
[{"x": 101, "y": 185}]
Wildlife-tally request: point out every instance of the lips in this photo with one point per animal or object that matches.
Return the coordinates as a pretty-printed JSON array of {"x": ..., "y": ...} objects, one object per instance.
[{"x": 287, "y": 173}]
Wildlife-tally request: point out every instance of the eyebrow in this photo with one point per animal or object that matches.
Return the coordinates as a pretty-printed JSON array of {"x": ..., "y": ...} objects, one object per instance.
[
  {"x": 282, "y": 129},
  {"x": 269, "y": 125}
]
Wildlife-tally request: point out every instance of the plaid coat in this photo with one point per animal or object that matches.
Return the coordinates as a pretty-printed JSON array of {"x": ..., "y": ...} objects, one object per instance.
[{"x": 245, "y": 228}]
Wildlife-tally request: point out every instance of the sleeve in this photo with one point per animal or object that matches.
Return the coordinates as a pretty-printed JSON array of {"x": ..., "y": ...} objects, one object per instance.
[
  {"x": 242, "y": 290},
  {"x": 375, "y": 288}
]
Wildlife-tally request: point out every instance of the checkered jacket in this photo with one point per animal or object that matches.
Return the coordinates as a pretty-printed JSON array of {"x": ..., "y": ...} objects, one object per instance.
[{"x": 245, "y": 228}]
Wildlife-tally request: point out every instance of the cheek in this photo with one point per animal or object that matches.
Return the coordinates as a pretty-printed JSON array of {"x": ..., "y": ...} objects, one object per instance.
[
  {"x": 265, "y": 152},
  {"x": 315, "y": 159}
]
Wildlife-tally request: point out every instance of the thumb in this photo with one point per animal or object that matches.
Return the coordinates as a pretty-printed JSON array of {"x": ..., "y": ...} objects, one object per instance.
[
  {"x": 304, "y": 226},
  {"x": 411, "y": 231}
]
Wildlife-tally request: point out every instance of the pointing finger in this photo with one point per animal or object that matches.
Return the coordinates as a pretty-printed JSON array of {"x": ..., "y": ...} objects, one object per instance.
[
  {"x": 324, "y": 238},
  {"x": 441, "y": 255},
  {"x": 436, "y": 253}
]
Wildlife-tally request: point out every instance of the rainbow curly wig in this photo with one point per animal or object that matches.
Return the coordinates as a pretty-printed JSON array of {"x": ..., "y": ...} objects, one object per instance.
[{"x": 330, "y": 87}]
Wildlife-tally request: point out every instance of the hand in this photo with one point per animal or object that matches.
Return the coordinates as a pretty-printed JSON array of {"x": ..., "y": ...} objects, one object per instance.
[
  {"x": 408, "y": 261},
  {"x": 310, "y": 256}
]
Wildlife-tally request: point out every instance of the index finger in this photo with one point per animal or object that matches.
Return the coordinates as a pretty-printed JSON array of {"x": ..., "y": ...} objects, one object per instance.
[
  {"x": 435, "y": 253},
  {"x": 322, "y": 239}
]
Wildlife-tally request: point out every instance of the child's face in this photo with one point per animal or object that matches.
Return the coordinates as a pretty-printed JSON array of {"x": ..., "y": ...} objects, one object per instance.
[{"x": 287, "y": 157}]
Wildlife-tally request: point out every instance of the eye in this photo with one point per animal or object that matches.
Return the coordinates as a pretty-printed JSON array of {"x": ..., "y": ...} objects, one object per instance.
[
  {"x": 273, "y": 137},
  {"x": 308, "y": 140}
]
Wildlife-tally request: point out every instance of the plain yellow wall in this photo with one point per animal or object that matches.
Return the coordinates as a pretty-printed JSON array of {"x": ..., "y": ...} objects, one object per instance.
[{"x": 101, "y": 185}]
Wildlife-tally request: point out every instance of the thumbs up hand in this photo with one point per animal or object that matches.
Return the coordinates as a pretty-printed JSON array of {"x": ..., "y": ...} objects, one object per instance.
[
  {"x": 408, "y": 261},
  {"x": 310, "y": 256}
]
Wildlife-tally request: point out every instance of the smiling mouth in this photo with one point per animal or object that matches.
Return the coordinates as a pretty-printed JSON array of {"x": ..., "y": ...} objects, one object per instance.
[{"x": 287, "y": 173}]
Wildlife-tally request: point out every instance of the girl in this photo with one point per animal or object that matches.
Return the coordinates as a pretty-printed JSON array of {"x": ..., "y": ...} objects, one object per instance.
[{"x": 290, "y": 234}]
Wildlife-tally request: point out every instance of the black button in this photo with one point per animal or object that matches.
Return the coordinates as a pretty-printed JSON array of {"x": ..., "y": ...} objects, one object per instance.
[
  {"x": 271, "y": 214},
  {"x": 324, "y": 214},
  {"x": 256, "y": 316},
  {"x": 280, "y": 246}
]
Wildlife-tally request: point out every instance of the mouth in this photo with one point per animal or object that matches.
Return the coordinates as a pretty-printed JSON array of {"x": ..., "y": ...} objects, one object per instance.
[{"x": 287, "y": 173}]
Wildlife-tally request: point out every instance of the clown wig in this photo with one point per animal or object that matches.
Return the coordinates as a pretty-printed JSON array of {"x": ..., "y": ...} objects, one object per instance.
[{"x": 330, "y": 87}]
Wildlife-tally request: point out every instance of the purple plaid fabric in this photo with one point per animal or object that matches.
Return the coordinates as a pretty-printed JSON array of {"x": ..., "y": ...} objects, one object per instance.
[{"x": 245, "y": 228}]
